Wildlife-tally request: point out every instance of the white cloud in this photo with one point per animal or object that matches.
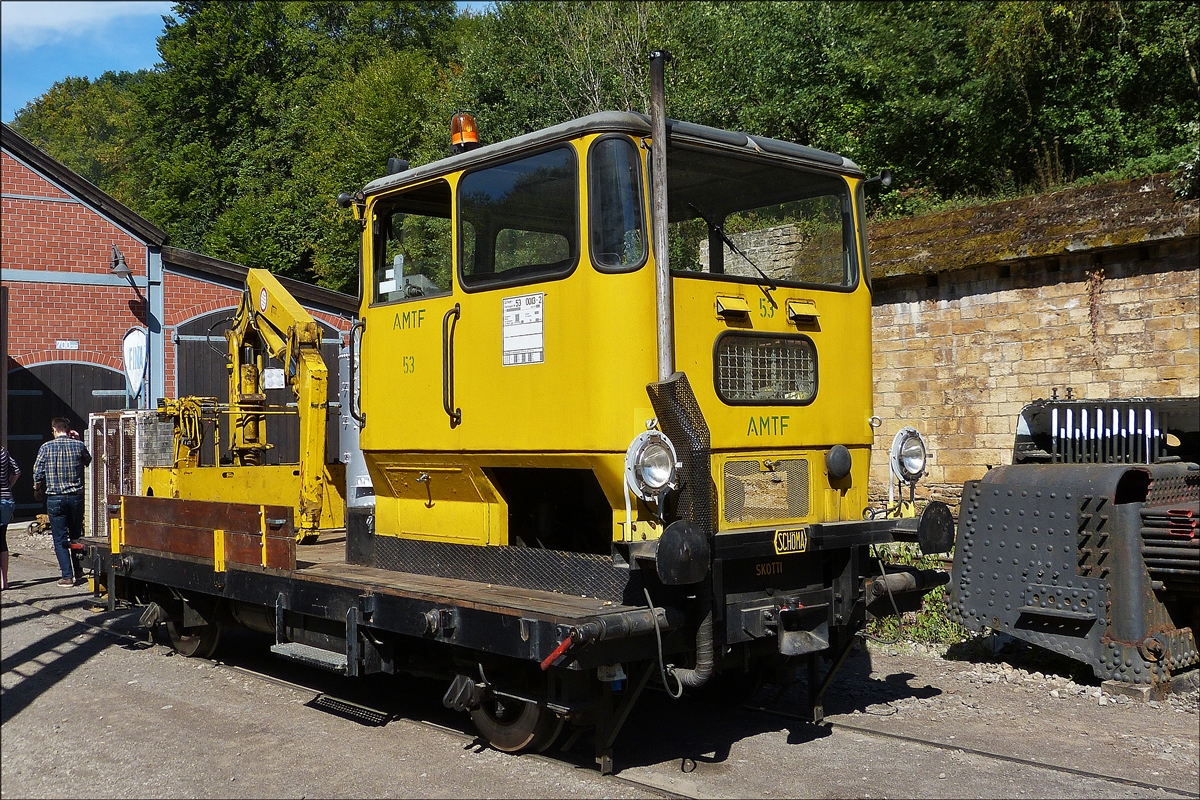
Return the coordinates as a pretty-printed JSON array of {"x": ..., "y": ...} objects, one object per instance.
[{"x": 26, "y": 25}]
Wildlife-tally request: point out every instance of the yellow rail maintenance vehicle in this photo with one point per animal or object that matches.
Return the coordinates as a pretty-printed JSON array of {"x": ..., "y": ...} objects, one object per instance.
[{"x": 612, "y": 386}]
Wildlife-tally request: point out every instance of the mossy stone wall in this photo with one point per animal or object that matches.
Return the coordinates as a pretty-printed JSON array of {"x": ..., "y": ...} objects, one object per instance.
[{"x": 979, "y": 311}]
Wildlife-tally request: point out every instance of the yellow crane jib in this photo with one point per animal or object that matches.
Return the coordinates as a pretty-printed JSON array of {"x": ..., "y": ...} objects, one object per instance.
[{"x": 269, "y": 322}]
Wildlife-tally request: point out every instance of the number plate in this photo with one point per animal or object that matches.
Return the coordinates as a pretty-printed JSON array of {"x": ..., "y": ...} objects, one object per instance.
[{"x": 791, "y": 541}]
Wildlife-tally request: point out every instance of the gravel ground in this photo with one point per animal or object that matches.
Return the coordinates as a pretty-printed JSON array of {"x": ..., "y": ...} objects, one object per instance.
[{"x": 85, "y": 711}]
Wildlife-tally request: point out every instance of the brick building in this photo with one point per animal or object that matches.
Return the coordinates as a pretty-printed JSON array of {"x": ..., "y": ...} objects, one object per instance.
[{"x": 65, "y": 312}]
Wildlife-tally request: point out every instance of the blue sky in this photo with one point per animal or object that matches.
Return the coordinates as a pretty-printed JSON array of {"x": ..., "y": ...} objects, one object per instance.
[{"x": 43, "y": 42}]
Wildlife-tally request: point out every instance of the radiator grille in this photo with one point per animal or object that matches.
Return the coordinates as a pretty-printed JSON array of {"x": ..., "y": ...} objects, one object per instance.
[
  {"x": 1106, "y": 433},
  {"x": 752, "y": 494},
  {"x": 756, "y": 369}
]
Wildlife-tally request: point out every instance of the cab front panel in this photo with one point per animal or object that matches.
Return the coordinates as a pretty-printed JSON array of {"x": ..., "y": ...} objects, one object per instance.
[{"x": 772, "y": 320}]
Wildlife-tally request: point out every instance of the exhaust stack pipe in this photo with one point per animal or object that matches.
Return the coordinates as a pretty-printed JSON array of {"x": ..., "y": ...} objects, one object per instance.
[
  {"x": 664, "y": 307},
  {"x": 666, "y": 313}
]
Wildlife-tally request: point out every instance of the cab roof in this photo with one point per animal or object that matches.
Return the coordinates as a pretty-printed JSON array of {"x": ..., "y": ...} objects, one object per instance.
[{"x": 628, "y": 122}]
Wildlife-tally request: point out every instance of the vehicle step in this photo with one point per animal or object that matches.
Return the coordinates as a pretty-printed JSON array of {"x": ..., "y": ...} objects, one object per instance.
[
  {"x": 364, "y": 715},
  {"x": 313, "y": 656}
]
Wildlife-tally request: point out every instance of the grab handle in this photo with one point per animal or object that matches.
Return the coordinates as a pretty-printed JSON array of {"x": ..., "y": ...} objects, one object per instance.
[
  {"x": 360, "y": 325},
  {"x": 448, "y": 329}
]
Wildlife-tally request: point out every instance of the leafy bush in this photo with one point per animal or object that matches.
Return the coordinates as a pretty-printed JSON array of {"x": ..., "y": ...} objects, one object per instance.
[{"x": 932, "y": 623}]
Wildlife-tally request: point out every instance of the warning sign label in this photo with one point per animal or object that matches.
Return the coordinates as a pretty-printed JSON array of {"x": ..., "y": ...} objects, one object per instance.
[{"x": 524, "y": 342}]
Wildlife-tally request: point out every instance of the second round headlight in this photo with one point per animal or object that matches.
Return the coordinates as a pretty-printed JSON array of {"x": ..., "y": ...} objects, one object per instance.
[
  {"x": 909, "y": 455},
  {"x": 912, "y": 456}
]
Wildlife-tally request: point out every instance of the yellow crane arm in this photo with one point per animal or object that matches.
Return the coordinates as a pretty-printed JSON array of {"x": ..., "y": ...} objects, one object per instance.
[{"x": 269, "y": 321}]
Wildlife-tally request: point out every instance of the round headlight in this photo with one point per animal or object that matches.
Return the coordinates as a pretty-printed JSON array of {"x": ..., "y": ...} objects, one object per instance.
[
  {"x": 908, "y": 455},
  {"x": 912, "y": 456},
  {"x": 655, "y": 466},
  {"x": 650, "y": 465}
]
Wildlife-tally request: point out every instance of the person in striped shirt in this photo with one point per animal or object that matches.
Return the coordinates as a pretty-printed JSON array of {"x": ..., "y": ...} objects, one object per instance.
[{"x": 59, "y": 468}]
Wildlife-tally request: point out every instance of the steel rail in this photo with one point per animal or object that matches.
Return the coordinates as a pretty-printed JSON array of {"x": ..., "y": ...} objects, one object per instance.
[{"x": 983, "y": 753}]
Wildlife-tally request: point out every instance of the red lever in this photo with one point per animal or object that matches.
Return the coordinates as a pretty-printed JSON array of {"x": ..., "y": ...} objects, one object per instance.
[{"x": 558, "y": 651}]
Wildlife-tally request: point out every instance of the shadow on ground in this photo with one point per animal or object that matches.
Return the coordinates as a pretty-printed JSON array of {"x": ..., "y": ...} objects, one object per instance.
[{"x": 1002, "y": 649}]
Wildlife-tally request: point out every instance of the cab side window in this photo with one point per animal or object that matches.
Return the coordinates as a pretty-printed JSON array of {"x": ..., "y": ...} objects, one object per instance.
[
  {"x": 413, "y": 247},
  {"x": 520, "y": 220},
  {"x": 618, "y": 232}
]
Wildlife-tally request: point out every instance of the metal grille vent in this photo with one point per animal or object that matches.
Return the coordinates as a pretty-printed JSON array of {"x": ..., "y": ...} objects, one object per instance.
[
  {"x": 751, "y": 494},
  {"x": 1106, "y": 433},
  {"x": 755, "y": 369}
]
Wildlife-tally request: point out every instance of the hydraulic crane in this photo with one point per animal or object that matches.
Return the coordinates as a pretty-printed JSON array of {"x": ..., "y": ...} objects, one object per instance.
[{"x": 268, "y": 323}]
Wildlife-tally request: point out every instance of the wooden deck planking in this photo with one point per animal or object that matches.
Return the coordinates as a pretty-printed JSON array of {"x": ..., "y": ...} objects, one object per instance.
[
  {"x": 325, "y": 563},
  {"x": 509, "y": 600},
  {"x": 326, "y": 551}
]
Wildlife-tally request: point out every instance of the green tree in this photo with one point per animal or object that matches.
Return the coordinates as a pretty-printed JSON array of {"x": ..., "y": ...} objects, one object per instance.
[
  {"x": 237, "y": 106},
  {"x": 89, "y": 126},
  {"x": 261, "y": 112}
]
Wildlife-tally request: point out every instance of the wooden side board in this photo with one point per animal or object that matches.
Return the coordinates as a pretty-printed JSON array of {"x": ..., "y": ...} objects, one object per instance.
[{"x": 249, "y": 534}]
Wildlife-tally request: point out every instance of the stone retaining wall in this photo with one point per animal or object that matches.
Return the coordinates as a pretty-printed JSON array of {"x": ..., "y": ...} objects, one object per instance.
[{"x": 981, "y": 311}]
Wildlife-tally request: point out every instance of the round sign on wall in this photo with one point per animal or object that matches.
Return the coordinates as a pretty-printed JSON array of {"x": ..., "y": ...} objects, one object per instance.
[{"x": 134, "y": 349}]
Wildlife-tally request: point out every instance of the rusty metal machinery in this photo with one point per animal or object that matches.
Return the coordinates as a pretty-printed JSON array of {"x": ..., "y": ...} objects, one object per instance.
[{"x": 1093, "y": 552}]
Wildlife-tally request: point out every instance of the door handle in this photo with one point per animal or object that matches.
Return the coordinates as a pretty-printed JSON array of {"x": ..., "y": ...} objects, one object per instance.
[{"x": 448, "y": 329}]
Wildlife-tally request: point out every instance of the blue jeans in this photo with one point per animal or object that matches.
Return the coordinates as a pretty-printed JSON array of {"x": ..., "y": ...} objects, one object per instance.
[{"x": 66, "y": 523}]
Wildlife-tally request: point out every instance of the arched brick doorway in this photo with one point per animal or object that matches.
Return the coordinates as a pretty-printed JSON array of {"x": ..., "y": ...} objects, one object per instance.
[{"x": 37, "y": 394}]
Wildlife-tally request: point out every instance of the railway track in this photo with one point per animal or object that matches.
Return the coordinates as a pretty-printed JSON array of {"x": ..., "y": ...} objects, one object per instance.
[
  {"x": 984, "y": 754},
  {"x": 312, "y": 685}
]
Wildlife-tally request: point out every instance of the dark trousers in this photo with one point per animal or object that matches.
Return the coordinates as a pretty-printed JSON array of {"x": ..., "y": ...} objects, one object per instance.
[{"x": 66, "y": 523}]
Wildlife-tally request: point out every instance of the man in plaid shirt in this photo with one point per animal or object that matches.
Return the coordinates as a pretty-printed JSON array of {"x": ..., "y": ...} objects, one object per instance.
[{"x": 59, "y": 468}]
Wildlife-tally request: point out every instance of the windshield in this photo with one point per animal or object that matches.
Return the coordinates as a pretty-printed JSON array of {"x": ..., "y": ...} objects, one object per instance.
[{"x": 787, "y": 225}]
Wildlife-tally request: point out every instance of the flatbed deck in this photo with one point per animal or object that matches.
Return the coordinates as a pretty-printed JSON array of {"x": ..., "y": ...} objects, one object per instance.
[
  {"x": 325, "y": 562},
  {"x": 524, "y": 623}
]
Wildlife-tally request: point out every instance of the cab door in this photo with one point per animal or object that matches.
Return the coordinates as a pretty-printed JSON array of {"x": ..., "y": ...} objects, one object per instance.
[
  {"x": 424, "y": 487},
  {"x": 517, "y": 348},
  {"x": 409, "y": 282},
  {"x": 556, "y": 338}
]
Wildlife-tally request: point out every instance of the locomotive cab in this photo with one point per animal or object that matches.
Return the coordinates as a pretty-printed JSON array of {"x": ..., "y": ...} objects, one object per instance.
[
  {"x": 604, "y": 444},
  {"x": 510, "y": 324}
]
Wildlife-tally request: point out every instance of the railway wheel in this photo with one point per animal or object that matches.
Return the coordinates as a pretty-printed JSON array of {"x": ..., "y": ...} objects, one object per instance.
[
  {"x": 198, "y": 642},
  {"x": 515, "y": 725}
]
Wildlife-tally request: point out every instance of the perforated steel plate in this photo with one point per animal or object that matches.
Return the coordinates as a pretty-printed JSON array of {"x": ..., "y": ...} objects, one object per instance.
[
  {"x": 578, "y": 574},
  {"x": 751, "y": 493}
]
